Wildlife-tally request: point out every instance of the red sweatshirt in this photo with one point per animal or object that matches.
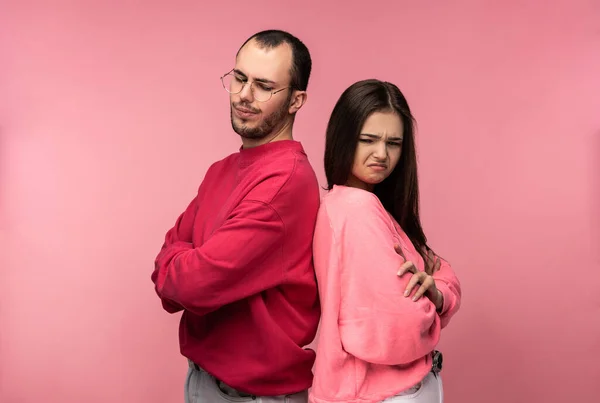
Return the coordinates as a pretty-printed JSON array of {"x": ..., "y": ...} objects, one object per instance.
[{"x": 239, "y": 263}]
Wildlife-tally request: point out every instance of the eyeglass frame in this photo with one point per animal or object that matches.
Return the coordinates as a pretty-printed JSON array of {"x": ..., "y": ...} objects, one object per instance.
[{"x": 273, "y": 92}]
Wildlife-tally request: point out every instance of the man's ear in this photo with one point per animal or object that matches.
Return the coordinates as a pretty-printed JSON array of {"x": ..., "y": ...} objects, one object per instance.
[{"x": 298, "y": 100}]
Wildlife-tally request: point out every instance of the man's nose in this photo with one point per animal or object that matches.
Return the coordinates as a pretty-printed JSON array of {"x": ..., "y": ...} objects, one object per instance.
[{"x": 246, "y": 93}]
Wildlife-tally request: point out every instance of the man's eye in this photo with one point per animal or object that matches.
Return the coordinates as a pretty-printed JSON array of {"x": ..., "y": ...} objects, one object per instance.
[{"x": 265, "y": 88}]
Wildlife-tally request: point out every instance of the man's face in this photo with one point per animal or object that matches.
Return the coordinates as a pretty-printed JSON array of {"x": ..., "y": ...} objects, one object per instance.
[{"x": 268, "y": 69}]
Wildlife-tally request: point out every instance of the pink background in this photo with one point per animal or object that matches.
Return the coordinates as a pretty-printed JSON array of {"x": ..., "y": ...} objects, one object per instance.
[{"x": 111, "y": 112}]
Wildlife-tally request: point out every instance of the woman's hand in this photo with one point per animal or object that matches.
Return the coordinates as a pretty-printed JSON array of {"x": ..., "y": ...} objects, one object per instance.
[
  {"x": 425, "y": 278},
  {"x": 432, "y": 262}
]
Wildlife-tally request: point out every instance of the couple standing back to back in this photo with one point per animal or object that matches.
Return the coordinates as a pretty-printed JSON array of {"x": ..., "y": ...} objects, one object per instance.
[{"x": 257, "y": 259}]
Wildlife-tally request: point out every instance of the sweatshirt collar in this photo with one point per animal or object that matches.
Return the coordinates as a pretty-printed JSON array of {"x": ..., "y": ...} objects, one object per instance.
[{"x": 249, "y": 155}]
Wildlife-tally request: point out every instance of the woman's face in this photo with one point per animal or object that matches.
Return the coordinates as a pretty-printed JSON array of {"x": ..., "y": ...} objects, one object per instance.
[{"x": 378, "y": 150}]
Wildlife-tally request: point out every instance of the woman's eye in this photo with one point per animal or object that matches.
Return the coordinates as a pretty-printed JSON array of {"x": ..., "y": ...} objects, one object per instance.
[
  {"x": 393, "y": 144},
  {"x": 367, "y": 141}
]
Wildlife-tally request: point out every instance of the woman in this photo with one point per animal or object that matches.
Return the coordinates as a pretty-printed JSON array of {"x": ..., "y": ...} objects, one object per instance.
[{"x": 379, "y": 324}]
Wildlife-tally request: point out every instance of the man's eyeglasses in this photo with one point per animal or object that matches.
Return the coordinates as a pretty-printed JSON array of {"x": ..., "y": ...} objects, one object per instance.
[{"x": 234, "y": 84}]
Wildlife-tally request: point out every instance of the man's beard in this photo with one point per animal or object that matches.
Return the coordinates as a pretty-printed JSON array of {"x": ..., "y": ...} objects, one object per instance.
[{"x": 266, "y": 127}]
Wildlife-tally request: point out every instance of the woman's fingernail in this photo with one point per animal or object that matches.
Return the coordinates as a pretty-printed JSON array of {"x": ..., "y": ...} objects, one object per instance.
[{"x": 406, "y": 293}]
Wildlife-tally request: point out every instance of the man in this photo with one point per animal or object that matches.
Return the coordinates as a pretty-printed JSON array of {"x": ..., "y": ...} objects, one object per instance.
[{"x": 238, "y": 261}]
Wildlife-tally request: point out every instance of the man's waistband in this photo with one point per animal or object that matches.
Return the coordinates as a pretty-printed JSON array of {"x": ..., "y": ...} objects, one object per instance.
[{"x": 232, "y": 392}]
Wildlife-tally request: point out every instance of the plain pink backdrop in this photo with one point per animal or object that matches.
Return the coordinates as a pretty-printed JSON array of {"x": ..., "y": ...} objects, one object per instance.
[{"x": 111, "y": 112}]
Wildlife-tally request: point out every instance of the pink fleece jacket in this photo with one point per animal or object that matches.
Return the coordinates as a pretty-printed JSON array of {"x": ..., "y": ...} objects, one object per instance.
[{"x": 373, "y": 342}]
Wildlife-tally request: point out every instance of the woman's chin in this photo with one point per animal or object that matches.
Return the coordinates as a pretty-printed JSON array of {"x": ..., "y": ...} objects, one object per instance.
[{"x": 375, "y": 181}]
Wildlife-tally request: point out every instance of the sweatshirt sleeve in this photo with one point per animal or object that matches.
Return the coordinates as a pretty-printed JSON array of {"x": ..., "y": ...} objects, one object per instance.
[
  {"x": 241, "y": 258},
  {"x": 181, "y": 232},
  {"x": 377, "y": 323},
  {"x": 448, "y": 284}
]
